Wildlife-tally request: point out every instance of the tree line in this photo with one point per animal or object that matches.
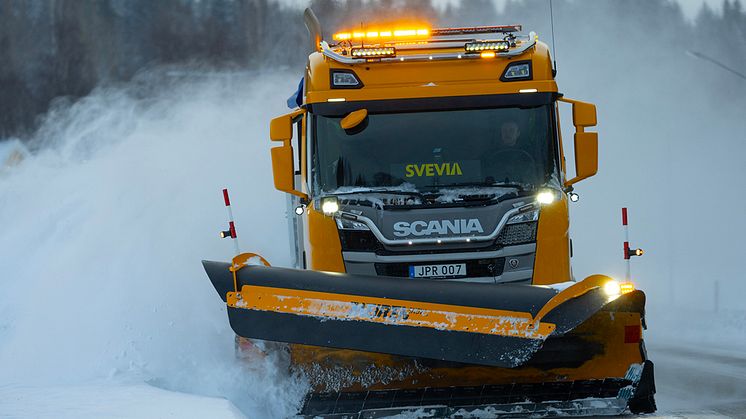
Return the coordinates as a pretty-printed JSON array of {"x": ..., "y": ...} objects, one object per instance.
[{"x": 65, "y": 48}]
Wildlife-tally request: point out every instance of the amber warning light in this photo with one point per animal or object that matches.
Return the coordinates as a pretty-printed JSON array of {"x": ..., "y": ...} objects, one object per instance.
[{"x": 381, "y": 35}]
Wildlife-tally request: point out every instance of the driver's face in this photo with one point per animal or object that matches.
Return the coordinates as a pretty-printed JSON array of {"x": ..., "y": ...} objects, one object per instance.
[{"x": 509, "y": 133}]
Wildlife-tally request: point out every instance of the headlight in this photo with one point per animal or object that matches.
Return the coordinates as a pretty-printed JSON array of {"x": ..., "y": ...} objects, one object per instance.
[
  {"x": 612, "y": 288},
  {"x": 524, "y": 217},
  {"x": 345, "y": 224},
  {"x": 329, "y": 205},
  {"x": 546, "y": 197}
]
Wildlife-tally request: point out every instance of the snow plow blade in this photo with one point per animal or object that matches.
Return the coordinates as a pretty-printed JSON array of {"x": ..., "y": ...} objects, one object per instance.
[{"x": 469, "y": 323}]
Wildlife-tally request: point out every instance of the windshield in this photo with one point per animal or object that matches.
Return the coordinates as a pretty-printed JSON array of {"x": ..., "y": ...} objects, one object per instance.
[{"x": 430, "y": 151}]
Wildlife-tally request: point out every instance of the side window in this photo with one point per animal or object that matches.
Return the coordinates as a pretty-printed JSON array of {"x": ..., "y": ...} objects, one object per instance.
[
  {"x": 310, "y": 152},
  {"x": 297, "y": 153},
  {"x": 566, "y": 143}
]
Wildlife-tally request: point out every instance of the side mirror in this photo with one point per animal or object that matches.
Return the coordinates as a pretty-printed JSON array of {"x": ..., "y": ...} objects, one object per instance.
[
  {"x": 353, "y": 119},
  {"x": 586, "y": 156},
  {"x": 586, "y": 143},
  {"x": 281, "y": 129},
  {"x": 583, "y": 114}
]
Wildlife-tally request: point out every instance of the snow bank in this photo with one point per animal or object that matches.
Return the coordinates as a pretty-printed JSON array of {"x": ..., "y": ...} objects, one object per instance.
[
  {"x": 102, "y": 232},
  {"x": 110, "y": 401}
]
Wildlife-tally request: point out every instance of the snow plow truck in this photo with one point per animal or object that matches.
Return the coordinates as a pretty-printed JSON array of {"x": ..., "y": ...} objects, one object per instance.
[{"x": 428, "y": 209}]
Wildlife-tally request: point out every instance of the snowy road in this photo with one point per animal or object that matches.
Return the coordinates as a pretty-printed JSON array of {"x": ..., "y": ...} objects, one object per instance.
[{"x": 696, "y": 383}]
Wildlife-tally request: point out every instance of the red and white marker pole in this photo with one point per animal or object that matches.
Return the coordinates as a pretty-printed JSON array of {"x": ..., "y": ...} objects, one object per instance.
[
  {"x": 628, "y": 253},
  {"x": 231, "y": 232},
  {"x": 626, "y": 243}
]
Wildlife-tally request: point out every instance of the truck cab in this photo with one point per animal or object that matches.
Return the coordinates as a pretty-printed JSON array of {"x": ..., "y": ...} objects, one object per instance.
[{"x": 421, "y": 152}]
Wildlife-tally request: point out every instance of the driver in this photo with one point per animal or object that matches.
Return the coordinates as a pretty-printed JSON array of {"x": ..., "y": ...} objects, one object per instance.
[
  {"x": 506, "y": 161},
  {"x": 509, "y": 133}
]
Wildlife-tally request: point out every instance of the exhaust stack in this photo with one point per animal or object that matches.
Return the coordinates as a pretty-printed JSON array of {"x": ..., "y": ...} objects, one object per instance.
[{"x": 314, "y": 28}]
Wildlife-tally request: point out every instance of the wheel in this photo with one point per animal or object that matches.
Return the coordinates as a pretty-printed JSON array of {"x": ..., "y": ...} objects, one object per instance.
[
  {"x": 644, "y": 399},
  {"x": 642, "y": 405}
]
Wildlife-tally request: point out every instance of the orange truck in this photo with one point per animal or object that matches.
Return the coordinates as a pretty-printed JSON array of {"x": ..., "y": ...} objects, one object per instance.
[{"x": 431, "y": 233}]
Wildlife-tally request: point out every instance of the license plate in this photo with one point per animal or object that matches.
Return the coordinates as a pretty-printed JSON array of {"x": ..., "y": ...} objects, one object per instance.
[{"x": 437, "y": 271}]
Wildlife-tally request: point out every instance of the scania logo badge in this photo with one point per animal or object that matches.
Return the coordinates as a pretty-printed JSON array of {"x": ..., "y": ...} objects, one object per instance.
[
  {"x": 513, "y": 263},
  {"x": 438, "y": 227}
]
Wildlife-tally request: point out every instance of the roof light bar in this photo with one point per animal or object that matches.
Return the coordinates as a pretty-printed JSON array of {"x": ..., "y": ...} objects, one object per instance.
[
  {"x": 378, "y": 52},
  {"x": 422, "y": 32},
  {"x": 390, "y": 34},
  {"x": 497, "y": 46},
  {"x": 475, "y": 30}
]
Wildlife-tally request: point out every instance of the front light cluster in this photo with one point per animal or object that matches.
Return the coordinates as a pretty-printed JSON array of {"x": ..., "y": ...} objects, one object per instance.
[
  {"x": 524, "y": 217},
  {"x": 546, "y": 197},
  {"x": 329, "y": 205},
  {"x": 614, "y": 288}
]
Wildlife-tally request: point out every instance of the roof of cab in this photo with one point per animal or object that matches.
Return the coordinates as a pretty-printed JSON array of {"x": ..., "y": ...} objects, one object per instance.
[{"x": 426, "y": 70}]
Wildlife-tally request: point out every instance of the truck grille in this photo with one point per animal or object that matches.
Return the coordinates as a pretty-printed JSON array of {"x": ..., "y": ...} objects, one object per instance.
[
  {"x": 475, "y": 268},
  {"x": 513, "y": 234},
  {"x": 365, "y": 241}
]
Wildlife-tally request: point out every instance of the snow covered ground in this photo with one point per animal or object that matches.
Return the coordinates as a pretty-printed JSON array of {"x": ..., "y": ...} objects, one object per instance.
[{"x": 99, "y": 400}]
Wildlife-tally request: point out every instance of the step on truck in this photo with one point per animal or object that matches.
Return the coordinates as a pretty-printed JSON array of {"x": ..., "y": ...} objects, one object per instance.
[{"x": 429, "y": 218}]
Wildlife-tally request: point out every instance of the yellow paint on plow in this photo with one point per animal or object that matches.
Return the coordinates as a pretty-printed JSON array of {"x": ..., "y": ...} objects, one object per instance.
[{"x": 390, "y": 311}]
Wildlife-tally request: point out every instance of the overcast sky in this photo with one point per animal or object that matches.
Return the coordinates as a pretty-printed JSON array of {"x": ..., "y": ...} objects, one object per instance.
[{"x": 690, "y": 7}]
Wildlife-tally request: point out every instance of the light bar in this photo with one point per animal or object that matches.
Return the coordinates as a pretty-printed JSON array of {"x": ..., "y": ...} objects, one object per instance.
[
  {"x": 384, "y": 34},
  {"x": 497, "y": 46},
  {"x": 475, "y": 30},
  {"x": 376, "y": 52},
  {"x": 413, "y": 32}
]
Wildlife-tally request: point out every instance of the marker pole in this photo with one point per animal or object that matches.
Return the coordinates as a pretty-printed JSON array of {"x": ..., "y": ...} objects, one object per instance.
[
  {"x": 231, "y": 224},
  {"x": 626, "y": 242}
]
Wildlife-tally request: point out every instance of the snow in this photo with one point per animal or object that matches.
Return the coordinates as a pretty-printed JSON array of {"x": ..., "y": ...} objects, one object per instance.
[
  {"x": 101, "y": 236},
  {"x": 110, "y": 401},
  {"x": 12, "y": 153},
  {"x": 449, "y": 195},
  {"x": 445, "y": 194}
]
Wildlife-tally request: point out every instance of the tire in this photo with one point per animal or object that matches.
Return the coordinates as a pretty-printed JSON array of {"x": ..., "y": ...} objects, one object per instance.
[{"x": 644, "y": 399}]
